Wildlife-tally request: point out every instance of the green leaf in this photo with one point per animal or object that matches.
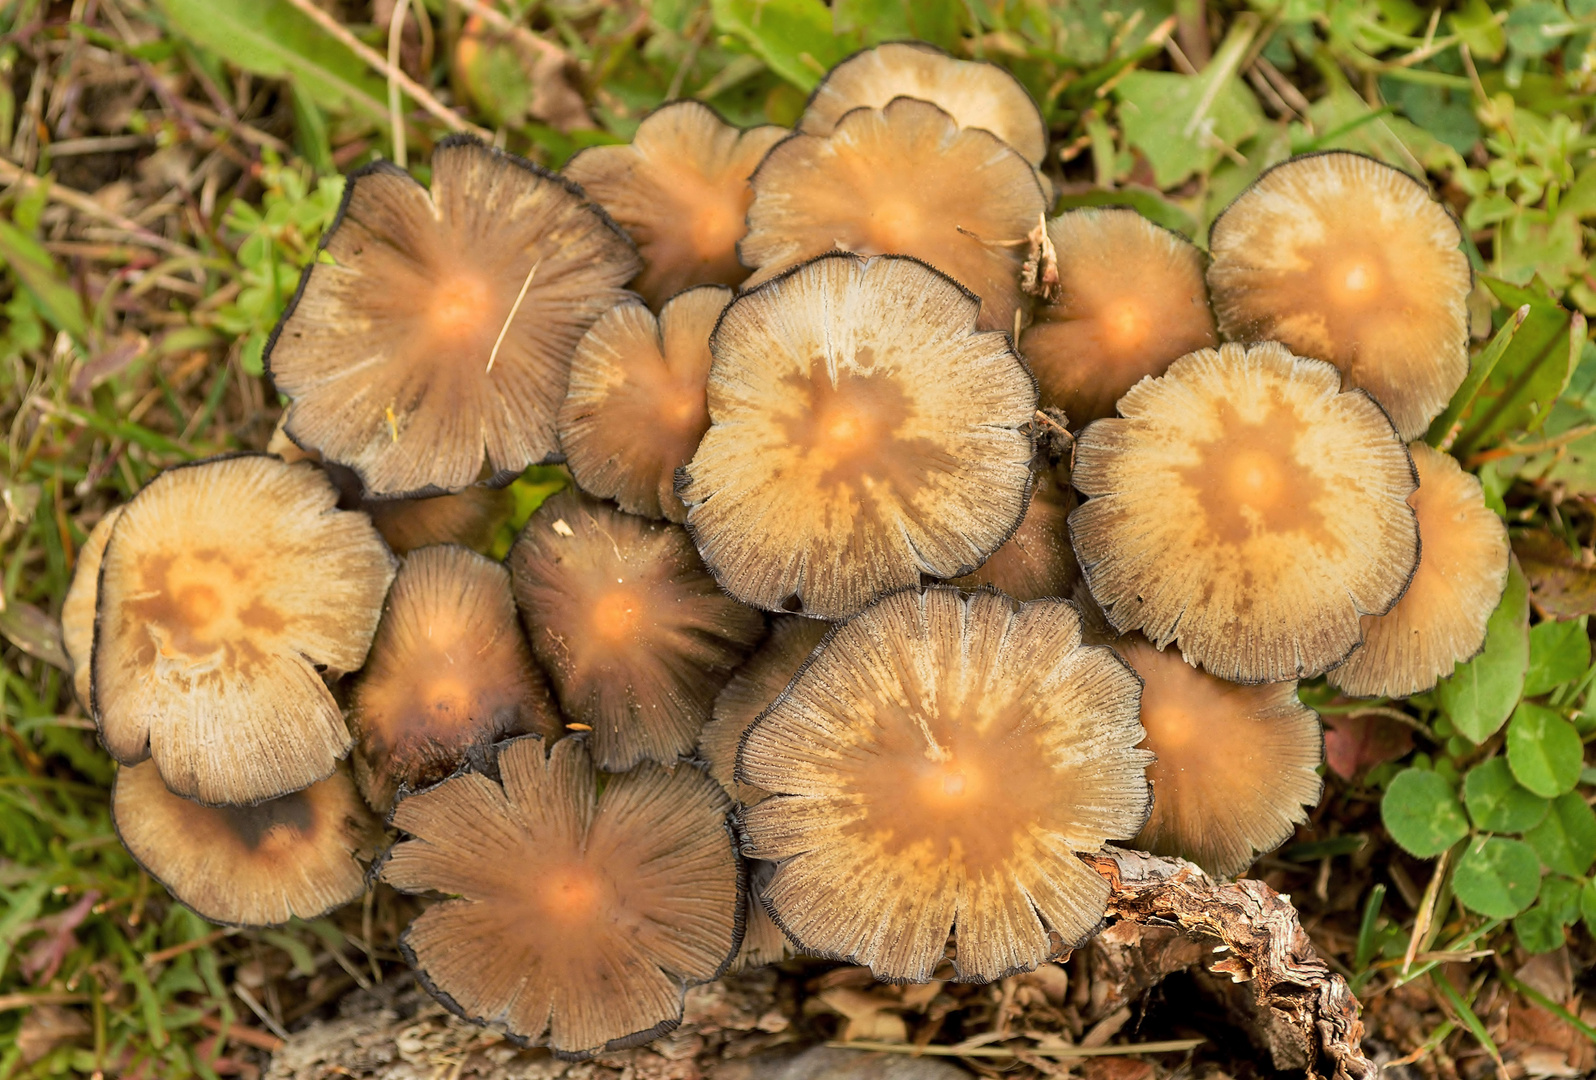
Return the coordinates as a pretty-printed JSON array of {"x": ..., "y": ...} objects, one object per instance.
[
  {"x": 1421, "y": 813},
  {"x": 1497, "y": 803},
  {"x": 1526, "y": 24},
  {"x": 1544, "y": 750},
  {"x": 1566, "y": 840},
  {"x": 1497, "y": 877},
  {"x": 793, "y": 37},
  {"x": 58, "y": 301},
  {"x": 272, "y": 38},
  {"x": 1526, "y": 382},
  {"x": 1475, "y": 23},
  {"x": 1587, "y": 905},
  {"x": 1442, "y": 431},
  {"x": 1146, "y": 202},
  {"x": 1559, "y": 653},
  {"x": 1540, "y": 929},
  {"x": 1479, "y": 696},
  {"x": 1183, "y": 123},
  {"x": 940, "y": 22}
]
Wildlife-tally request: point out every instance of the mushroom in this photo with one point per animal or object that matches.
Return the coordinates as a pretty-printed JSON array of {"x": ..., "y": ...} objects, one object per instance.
[
  {"x": 448, "y": 676},
  {"x": 632, "y": 630},
  {"x": 228, "y": 586},
  {"x": 862, "y": 433},
  {"x": 576, "y": 917},
  {"x": 1131, "y": 301},
  {"x": 1236, "y": 765},
  {"x": 296, "y": 856},
  {"x": 935, "y": 768},
  {"x": 635, "y": 409},
  {"x": 1440, "y": 621},
  {"x": 1246, "y": 506},
  {"x": 435, "y": 331},
  {"x": 904, "y": 179},
  {"x": 77, "y": 609},
  {"x": 1344, "y": 259},
  {"x": 1037, "y": 560},
  {"x": 681, "y": 190},
  {"x": 975, "y": 93}
]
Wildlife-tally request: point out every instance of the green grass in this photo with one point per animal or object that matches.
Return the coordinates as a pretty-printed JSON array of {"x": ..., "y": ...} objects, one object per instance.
[{"x": 132, "y": 328}]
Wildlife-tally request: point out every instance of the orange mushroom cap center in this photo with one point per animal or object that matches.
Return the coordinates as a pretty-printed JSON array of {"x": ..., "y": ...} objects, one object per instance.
[
  {"x": 893, "y": 226},
  {"x": 448, "y": 696},
  {"x": 1254, "y": 478},
  {"x": 1355, "y": 281},
  {"x": 461, "y": 305},
  {"x": 1125, "y": 324},
  {"x": 617, "y": 615},
  {"x": 569, "y": 894},
  {"x": 716, "y": 228}
]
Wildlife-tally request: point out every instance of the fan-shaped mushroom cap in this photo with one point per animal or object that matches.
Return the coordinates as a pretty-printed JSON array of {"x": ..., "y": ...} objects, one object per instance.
[
  {"x": 226, "y": 586},
  {"x": 77, "y": 609},
  {"x": 1347, "y": 260},
  {"x": 1132, "y": 302},
  {"x": 861, "y": 434},
  {"x": 1235, "y": 765},
  {"x": 934, "y": 768},
  {"x": 681, "y": 190},
  {"x": 578, "y": 919},
  {"x": 635, "y": 410},
  {"x": 975, "y": 93},
  {"x": 1037, "y": 560},
  {"x": 1247, "y": 507},
  {"x": 261, "y": 865},
  {"x": 386, "y": 351},
  {"x": 1440, "y": 621},
  {"x": 632, "y": 630},
  {"x": 901, "y": 180},
  {"x": 449, "y": 675}
]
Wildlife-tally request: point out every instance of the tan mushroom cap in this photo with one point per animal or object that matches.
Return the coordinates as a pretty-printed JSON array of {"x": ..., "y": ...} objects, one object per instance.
[
  {"x": 1440, "y": 621},
  {"x": 577, "y": 919},
  {"x": 1344, "y": 259},
  {"x": 681, "y": 190},
  {"x": 227, "y": 586},
  {"x": 863, "y": 433},
  {"x": 385, "y": 352},
  {"x": 1037, "y": 561},
  {"x": 975, "y": 93},
  {"x": 292, "y": 857},
  {"x": 635, "y": 409},
  {"x": 1133, "y": 301},
  {"x": 77, "y": 609},
  {"x": 633, "y": 632},
  {"x": 449, "y": 675},
  {"x": 1247, "y": 507},
  {"x": 934, "y": 769},
  {"x": 1236, "y": 765},
  {"x": 900, "y": 180}
]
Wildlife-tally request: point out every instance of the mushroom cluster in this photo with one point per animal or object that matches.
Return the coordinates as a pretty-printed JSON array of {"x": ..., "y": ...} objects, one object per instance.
[{"x": 915, "y": 545}]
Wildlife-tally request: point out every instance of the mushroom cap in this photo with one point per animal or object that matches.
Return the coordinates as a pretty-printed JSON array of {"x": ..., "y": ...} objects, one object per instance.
[
  {"x": 862, "y": 433},
  {"x": 1236, "y": 765},
  {"x": 751, "y": 690},
  {"x": 1440, "y": 621},
  {"x": 635, "y": 409},
  {"x": 470, "y": 518},
  {"x": 449, "y": 675},
  {"x": 975, "y": 93},
  {"x": 77, "y": 609},
  {"x": 227, "y": 586},
  {"x": 900, "y": 180},
  {"x": 633, "y": 632},
  {"x": 1037, "y": 560},
  {"x": 385, "y": 350},
  {"x": 1246, "y": 506},
  {"x": 577, "y": 919},
  {"x": 681, "y": 190},
  {"x": 1133, "y": 301},
  {"x": 291, "y": 857},
  {"x": 934, "y": 768},
  {"x": 1344, "y": 259}
]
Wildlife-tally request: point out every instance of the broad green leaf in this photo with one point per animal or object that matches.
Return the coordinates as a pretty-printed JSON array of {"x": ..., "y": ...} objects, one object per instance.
[
  {"x": 1534, "y": 242},
  {"x": 1150, "y": 204},
  {"x": 1559, "y": 653},
  {"x": 272, "y": 38},
  {"x": 1527, "y": 24},
  {"x": 58, "y": 301},
  {"x": 1421, "y": 813},
  {"x": 1587, "y": 905},
  {"x": 940, "y": 22},
  {"x": 1535, "y": 369},
  {"x": 1539, "y": 931},
  {"x": 1566, "y": 839},
  {"x": 793, "y": 37},
  {"x": 1497, "y": 877},
  {"x": 1443, "y": 430},
  {"x": 1183, "y": 123},
  {"x": 1544, "y": 750},
  {"x": 1475, "y": 23},
  {"x": 1496, "y": 802},
  {"x": 1479, "y": 696}
]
